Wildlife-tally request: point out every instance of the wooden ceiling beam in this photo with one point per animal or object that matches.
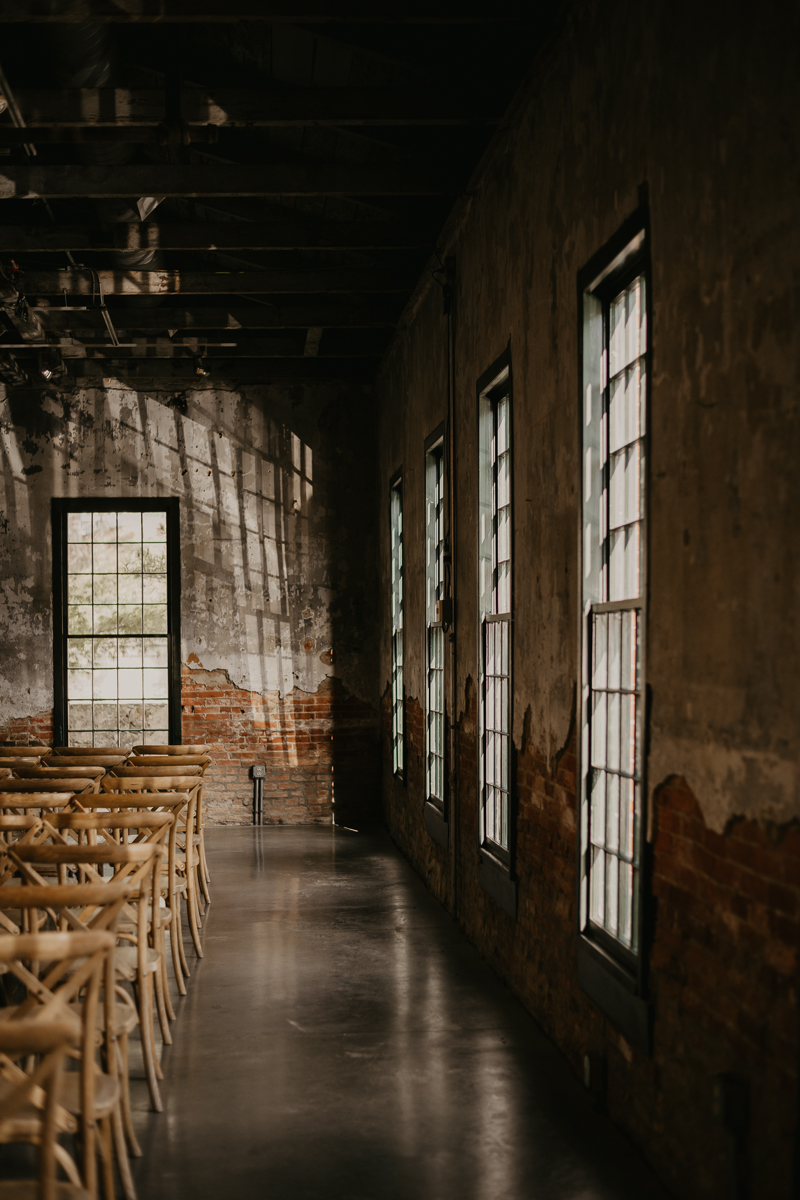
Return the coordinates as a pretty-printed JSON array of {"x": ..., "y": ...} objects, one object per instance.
[
  {"x": 310, "y": 12},
  {"x": 222, "y": 235},
  {"x": 275, "y": 179},
  {"x": 114, "y": 108},
  {"x": 221, "y": 283},
  {"x": 157, "y": 320}
]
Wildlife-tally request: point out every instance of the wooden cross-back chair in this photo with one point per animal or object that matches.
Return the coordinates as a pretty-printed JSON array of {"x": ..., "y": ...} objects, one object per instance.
[
  {"x": 30, "y": 1108},
  {"x": 134, "y": 779},
  {"x": 186, "y": 755},
  {"x": 174, "y": 882},
  {"x": 23, "y": 751},
  {"x": 62, "y": 974},
  {"x": 137, "y": 870}
]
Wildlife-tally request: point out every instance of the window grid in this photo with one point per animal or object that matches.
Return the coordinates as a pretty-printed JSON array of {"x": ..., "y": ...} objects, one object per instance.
[
  {"x": 398, "y": 695},
  {"x": 495, "y": 488},
  {"x": 496, "y": 732},
  {"x": 117, "y": 624},
  {"x": 434, "y": 554},
  {"x": 612, "y": 738}
]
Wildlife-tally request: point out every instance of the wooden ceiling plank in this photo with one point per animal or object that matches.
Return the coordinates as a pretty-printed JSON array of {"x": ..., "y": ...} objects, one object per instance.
[{"x": 275, "y": 179}]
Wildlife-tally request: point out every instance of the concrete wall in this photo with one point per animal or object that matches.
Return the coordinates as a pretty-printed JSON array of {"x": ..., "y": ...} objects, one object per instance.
[
  {"x": 702, "y": 107},
  {"x": 277, "y": 591}
]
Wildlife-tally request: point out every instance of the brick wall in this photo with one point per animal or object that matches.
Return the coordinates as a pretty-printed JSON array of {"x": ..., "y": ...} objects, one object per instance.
[
  {"x": 309, "y": 743},
  {"x": 22, "y": 731},
  {"x": 723, "y": 958}
]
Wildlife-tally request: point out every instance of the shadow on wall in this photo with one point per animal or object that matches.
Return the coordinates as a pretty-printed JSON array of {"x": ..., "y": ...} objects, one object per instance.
[{"x": 278, "y": 571}]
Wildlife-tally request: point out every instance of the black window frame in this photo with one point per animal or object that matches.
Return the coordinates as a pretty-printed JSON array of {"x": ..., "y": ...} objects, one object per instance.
[
  {"x": 434, "y": 447},
  {"x": 60, "y": 508},
  {"x": 396, "y": 487},
  {"x": 613, "y": 976},
  {"x": 496, "y": 863}
]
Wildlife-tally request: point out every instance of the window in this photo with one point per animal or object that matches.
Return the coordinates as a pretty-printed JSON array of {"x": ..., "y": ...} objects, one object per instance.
[
  {"x": 494, "y": 422},
  {"x": 434, "y": 623},
  {"x": 398, "y": 693},
  {"x": 117, "y": 664},
  {"x": 614, "y": 426}
]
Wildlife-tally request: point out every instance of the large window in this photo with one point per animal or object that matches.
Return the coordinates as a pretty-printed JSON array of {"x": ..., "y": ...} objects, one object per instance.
[
  {"x": 434, "y": 624},
  {"x": 398, "y": 692},
  {"x": 614, "y": 426},
  {"x": 116, "y": 622},
  {"x": 494, "y": 486}
]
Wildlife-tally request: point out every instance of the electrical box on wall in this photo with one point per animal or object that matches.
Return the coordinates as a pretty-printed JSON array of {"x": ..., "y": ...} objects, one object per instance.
[{"x": 258, "y": 771}]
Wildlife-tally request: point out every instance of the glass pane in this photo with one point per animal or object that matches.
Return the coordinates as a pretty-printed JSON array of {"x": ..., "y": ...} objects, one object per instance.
[
  {"x": 600, "y": 651},
  {"x": 104, "y": 559},
  {"x": 130, "y": 684},
  {"x": 612, "y": 893},
  {"x": 612, "y": 813},
  {"x": 79, "y": 716},
  {"x": 104, "y": 685},
  {"x": 154, "y": 556},
  {"x": 130, "y": 589},
  {"x": 154, "y": 589},
  {"x": 129, "y": 526},
  {"x": 79, "y": 558},
  {"x": 598, "y": 808},
  {"x": 130, "y": 559},
  {"x": 155, "y": 651},
  {"x": 79, "y": 684},
  {"x": 79, "y": 652},
  {"x": 597, "y": 906},
  {"x": 104, "y": 527},
  {"x": 598, "y": 729},
  {"x": 105, "y": 652},
  {"x": 130, "y": 651},
  {"x": 156, "y": 716},
  {"x": 104, "y": 589},
  {"x": 105, "y": 715},
  {"x": 154, "y": 526},
  {"x": 105, "y": 618},
  {"x": 79, "y": 527},
  {"x": 79, "y": 618},
  {"x": 612, "y": 754},
  {"x": 614, "y": 649},
  {"x": 130, "y": 618},
  {"x": 131, "y": 716},
  {"x": 79, "y": 589},
  {"x": 154, "y": 618}
]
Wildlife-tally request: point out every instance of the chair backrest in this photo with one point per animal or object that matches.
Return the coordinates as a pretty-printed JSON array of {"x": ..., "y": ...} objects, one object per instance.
[
  {"x": 173, "y": 761},
  {"x": 32, "y": 798},
  {"x": 95, "y": 759},
  {"x": 88, "y": 751},
  {"x": 23, "y": 751},
  {"x": 73, "y": 784},
  {"x": 196, "y": 749},
  {"x": 127, "y": 772},
  {"x": 134, "y": 781},
  {"x": 14, "y": 763},
  {"x": 66, "y": 772}
]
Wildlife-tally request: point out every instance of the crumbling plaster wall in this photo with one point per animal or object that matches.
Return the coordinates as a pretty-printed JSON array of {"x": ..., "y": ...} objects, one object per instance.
[
  {"x": 707, "y": 117},
  {"x": 274, "y": 525},
  {"x": 703, "y": 107}
]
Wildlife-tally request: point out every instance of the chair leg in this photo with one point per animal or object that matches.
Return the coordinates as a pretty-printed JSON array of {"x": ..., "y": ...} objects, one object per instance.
[
  {"x": 191, "y": 911},
  {"x": 165, "y": 981},
  {"x": 122, "y": 1055},
  {"x": 148, "y": 1047},
  {"x": 166, "y": 1033},
  {"x": 175, "y": 937},
  {"x": 205, "y": 877},
  {"x": 181, "y": 948},
  {"x": 128, "y": 1186},
  {"x": 104, "y": 1141}
]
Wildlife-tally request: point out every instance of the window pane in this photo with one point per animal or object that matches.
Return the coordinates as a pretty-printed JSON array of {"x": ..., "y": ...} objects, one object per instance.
[
  {"x": 79, "y": 527},
  {"x": 104, "y": 527},
  {"x": 154, "y": 526}
]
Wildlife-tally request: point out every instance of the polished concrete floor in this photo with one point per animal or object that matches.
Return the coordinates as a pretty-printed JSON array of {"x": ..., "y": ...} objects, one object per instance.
[{"x": 342, "y": 1039}]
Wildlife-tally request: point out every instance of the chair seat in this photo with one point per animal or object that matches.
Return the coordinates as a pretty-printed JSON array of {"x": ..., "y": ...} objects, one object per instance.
[
  {"x": 106, "y": 1094},
  {"x": 127, "y": 960},
  {"x": 26, "y": 1123},
  {"x": 126, "y": 1017},
  {"x": 28, "y": 1189}
]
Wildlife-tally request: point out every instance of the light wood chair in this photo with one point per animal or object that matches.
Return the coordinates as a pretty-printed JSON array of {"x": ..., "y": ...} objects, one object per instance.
[
  {"x": 126, "y": 779},
  {"x": 174, "y": 884},
  {"x": 96, "y": 759},
  {"x": 137, "y": 870},
  {"x": 74, "y": 785},
  {"x": 23, "y": 751},
  {"x": 172, "y": 755},
  {"x": 63, "y": 974},
  {"x": 30, "y": 1103}
]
